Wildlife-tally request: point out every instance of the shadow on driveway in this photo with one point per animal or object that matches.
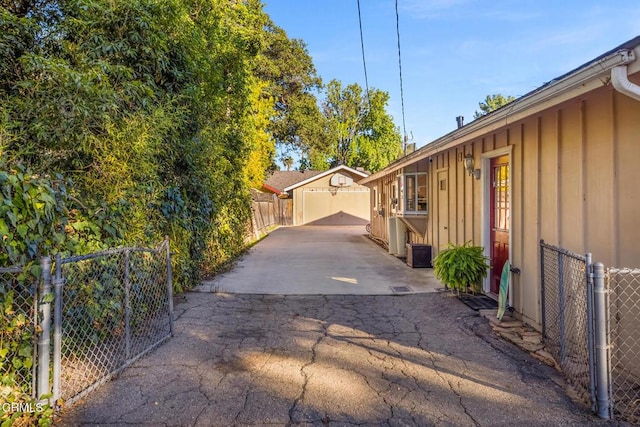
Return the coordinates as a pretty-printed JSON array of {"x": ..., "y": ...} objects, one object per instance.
[
  {"x": 420, "y": 359},
  {"x": 353, "y": 355}
]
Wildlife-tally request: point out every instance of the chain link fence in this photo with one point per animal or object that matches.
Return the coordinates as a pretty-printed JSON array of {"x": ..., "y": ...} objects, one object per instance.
[
  {"x": 624, "y": 322},
  {"x": 18, "y": 312},
  {"x": 103, "y": 310},
  {"x": 114, "y": 306},
  {"x": 566, "y": 316}
]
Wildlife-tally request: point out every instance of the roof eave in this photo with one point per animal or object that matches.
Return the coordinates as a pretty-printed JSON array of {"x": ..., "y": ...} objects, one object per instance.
[
  {"x": 325, "y": 173},
  {"x": 272, "y": 189},
  {"x": 581, "y": 80}
]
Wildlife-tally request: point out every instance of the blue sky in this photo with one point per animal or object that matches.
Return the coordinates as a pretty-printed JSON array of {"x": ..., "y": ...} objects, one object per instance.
[{"x": 454, "y": 52}]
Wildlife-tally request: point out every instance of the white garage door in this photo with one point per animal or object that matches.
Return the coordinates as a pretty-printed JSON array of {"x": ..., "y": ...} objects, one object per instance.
[{"x": 335, "y": 206}]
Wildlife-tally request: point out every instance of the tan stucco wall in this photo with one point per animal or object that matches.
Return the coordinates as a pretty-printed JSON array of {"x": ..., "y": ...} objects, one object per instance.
[
  {"x": 319, "y": 201},
  {"x": 574, "y": 175}
]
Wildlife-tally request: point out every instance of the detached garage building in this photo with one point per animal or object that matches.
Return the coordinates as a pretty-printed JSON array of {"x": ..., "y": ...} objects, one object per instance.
[{"x": 331, "y": 197}]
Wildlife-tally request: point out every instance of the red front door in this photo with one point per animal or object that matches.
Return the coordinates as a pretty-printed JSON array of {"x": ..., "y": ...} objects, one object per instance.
[{"x": 500, "y": 218}]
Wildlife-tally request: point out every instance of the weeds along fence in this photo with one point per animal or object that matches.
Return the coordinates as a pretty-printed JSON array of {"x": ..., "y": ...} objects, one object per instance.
[
  {"x": 590, "y": 318},
  {"x": 95, "y": 315}
]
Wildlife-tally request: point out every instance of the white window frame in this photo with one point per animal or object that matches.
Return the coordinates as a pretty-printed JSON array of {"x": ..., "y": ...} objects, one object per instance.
[{"x": 404, "y": 196}]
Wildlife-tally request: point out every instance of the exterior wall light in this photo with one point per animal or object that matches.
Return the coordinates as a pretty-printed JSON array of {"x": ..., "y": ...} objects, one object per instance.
[{"x": 469, "y": 166}]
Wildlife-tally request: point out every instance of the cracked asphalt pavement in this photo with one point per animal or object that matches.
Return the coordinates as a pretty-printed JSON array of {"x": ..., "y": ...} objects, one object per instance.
[
  {"x": 354, "y": 355},
  {"x": 411, "y": 360}
]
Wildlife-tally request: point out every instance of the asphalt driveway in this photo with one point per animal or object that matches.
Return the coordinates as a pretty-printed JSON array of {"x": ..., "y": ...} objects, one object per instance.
[
  {"x": 256, "y": 360},
  {"x": 252, "y": 359},
  {"x": 320, "y": 260}
]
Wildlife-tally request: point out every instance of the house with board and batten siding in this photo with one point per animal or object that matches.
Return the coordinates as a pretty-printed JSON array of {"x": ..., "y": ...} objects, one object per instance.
[{"x": 559, "y": 164}]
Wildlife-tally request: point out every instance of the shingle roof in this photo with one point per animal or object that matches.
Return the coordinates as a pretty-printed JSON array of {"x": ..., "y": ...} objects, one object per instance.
[
  {"x": 259, "y": 196},
  {"x": 282, "y": 179}
]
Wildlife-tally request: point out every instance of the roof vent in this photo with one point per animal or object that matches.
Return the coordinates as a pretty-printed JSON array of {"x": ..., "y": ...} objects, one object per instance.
[{"x": 460, "y": 121}]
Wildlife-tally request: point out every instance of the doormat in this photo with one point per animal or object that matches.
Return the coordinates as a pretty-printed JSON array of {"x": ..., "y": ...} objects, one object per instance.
[
  {"x": 400, "y": 289},
  {"x": 479, "y": 302}
]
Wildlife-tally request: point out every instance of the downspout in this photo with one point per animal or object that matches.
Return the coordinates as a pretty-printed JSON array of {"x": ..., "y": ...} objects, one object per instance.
[{"x": 621, "y": 82}]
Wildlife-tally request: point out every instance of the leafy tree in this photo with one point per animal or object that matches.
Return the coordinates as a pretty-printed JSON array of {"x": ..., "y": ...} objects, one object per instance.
[
  {"x": 380, "y": 142},
  {"x": 492, "y": 103},
  {"x": 261, "y": 144},
  {"x": 153, "y": 110},
  {"x": 285, "y": 65},
  {"x": 161, "y": 113},
  {"x": 359, "y": 132}
]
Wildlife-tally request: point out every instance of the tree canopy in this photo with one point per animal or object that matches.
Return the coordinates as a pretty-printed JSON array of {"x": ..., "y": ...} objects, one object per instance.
[
  {"x": 358, "y": 130},
  {"x": 492, "y": 103},
  {"x": 157, "y": 117},
  {"x": 158, "y": 113}
]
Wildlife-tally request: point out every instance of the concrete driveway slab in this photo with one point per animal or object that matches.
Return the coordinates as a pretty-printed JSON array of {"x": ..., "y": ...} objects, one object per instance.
[{"x": 320, "y": 260}]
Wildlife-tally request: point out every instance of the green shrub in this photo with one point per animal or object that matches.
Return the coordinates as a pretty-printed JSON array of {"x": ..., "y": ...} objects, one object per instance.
[
  {"x": 33, "y": 216},
  {"x": 461, "y": 267}
]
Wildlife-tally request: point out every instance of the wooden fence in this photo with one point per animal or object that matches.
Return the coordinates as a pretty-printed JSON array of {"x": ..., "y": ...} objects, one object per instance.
[{"x": 269, "y": 211}]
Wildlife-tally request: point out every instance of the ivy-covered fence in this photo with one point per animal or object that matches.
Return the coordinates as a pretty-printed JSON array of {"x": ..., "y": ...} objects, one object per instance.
[
  {"x": 85, "y": 319},
  {"x": 19, "y": 327},
  {"x": 17, "y": 333}
]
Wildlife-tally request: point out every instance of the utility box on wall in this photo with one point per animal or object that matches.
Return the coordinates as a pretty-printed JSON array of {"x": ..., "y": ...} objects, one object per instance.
[{"x": 419, "y": 255}]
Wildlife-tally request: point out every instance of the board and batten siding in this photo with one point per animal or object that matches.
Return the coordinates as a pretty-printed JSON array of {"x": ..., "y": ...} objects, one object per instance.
[
  {"x": 381, "y": 196},
  {"x": 575, "y": 182}
]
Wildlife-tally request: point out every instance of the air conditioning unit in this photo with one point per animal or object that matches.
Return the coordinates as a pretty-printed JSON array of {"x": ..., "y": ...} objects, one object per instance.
[{"x": 397, "y": 237}]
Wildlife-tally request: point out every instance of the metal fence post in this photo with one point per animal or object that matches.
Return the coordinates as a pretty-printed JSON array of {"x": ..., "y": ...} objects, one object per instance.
[
  {"x": 590, "y": 331},
  {"x": 127, "y": 306},
  {"x": 562, "y": 302},
  {"x": 601, "y": 345},
  {"x": 44, "y": 341},
  {"x": 34, "y": 322},
  {"x": 57, "y": 329},
  {"x": 543, "y": 291},
  {"x": 169, "y": 284}
]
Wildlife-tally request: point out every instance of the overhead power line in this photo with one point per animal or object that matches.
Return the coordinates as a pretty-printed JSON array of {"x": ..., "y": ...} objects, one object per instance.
[
  {"x": 364, "y": 62},
  {"x": 404, "y": 128}
]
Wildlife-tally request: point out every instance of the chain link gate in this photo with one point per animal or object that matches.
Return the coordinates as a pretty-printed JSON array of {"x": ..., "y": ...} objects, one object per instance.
[
  {"x": 111, "y": 308},
  {"x": 590, "y": 317},
  {"x": 103, "y": 310},
  {"x": 567, "y": 316}
]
